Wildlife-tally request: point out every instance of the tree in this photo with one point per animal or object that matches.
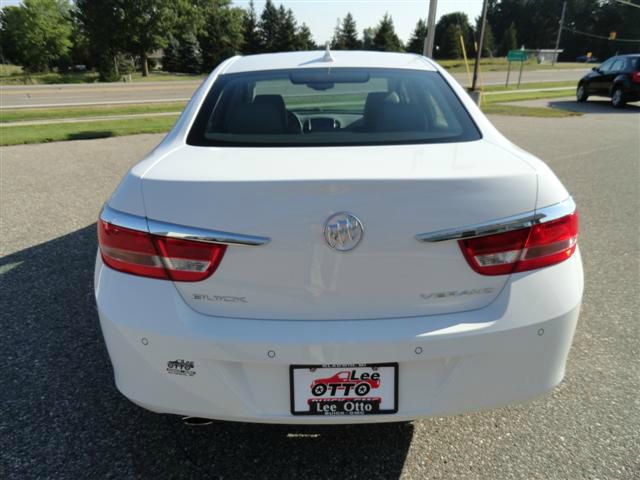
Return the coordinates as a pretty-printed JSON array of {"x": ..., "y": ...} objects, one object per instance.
[
  {"x": 367, "y": 38},
  {"x": 189, "y": 55},
  {"x": 444, "y": 35},
  {"x": 509, "y": 40},
  {"x": 416, "y": 42},
  {"x": 346, "y": 35},
  {"x": 304, "y": 39},
  {"x": 335, "y": 40},
  {"x": 450, "y": 46},
  {"x": 251, "y": 34},
  {"x": 385, "y": 38},
  {"x": 101, "y": 23},
  {"x": 269, "y": 25},
  {"x": 488, "y": 44},
  {"x": 37, "y": 34},
  {"x": 286, "y": 34},
  {"x": 146, "y": 23},
  {"x": 221, "y": 36},
  {"x": 170, "y": 56}
]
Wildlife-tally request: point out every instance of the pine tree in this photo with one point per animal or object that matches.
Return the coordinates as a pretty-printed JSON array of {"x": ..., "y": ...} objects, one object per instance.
[
  {"x": 416, "y": 42},
  {"x": 349, "y": 34},
  {"x": 252, "y": 40},
  {"x": 221, "y": 36},
  {"x": 451, "y": 47},
  {"x": 385, "y": 38},
  {"x": 189, "y": 55},
  {"x": 285, "y": 40},
  {"x": 509, "y": 40},
  {"x": 170, "y": 55},
  {"x": 304, "y": 39},
  {"x": 367, "y": 38},
  {"x": 269, "y": 26},
  {"x": 337, "y": 36},
  {"x": 488, "y": 44}
]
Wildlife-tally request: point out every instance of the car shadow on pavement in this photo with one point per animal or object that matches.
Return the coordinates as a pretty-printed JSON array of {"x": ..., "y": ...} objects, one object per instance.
[
  {"x": 90, "y": 135},
  {"x": 600, "y": 106},
  {"x": 63, "y": 417}
]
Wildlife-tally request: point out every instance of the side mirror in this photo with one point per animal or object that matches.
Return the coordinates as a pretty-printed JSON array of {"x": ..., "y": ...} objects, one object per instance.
[{"x": 595, "y": 69}]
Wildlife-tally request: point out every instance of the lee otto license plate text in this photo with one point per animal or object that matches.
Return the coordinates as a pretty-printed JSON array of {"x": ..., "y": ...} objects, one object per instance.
[{"x": 356, "y": 389}]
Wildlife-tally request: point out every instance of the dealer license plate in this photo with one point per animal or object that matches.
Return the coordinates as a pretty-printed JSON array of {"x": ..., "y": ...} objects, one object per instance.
[{"x": 358, "y": 389}]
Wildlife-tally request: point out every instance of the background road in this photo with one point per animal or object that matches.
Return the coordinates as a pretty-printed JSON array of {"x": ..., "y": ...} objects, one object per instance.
[
  {"x": 63, "y": 418},
  {"x": 101, "y": 93}
]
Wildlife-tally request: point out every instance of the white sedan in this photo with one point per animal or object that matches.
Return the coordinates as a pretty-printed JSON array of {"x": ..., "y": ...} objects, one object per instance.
[{"x": 336, "y": 238}]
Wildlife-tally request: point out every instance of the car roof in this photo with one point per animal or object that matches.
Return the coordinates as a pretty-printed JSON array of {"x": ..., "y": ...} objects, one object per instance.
[{"x": 315, "y": 59}]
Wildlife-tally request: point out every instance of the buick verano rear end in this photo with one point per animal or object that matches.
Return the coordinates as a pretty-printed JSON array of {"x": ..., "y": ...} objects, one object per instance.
[{"x": 348, "y": 221}]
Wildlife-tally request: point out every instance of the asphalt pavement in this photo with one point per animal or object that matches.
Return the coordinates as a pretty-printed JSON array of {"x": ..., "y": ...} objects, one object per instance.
[
  {"x": 111, "y": 93},
  {"x": 63, "y": 417}
]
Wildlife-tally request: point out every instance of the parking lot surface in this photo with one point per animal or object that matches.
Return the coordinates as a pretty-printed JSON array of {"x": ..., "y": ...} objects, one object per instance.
[{"x": 63, "y": 418}]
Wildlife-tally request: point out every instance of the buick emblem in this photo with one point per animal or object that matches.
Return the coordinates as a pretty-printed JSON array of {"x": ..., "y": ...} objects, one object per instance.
[{"x": 343, "y": 231}]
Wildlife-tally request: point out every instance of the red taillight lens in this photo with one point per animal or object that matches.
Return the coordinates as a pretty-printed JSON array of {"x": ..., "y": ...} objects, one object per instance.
[
  {"x": 539, "y": 246},
  {"x": 141, "y": 253},
  {"x": 635, "y": 77}
]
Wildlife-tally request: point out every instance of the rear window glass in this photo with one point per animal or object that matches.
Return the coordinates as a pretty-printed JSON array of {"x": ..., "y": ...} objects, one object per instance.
[{"x": 325, "y": 106}]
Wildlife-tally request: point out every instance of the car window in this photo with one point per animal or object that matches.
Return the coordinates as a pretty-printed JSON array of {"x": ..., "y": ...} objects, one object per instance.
[
  {"x": 331, "y": 106},
  {"x": 618, "y": 65},
  {"x": 606, "y": 66}
]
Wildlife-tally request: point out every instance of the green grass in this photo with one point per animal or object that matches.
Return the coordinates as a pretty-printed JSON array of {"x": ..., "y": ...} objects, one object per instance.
[
  {"x": 79, "y": 131},
  {"x": 499, "y": 104},
  {"x": 501, "y": 64},
  {"x": 520, "y": 111},
  {"x": 13, "y": 75},
  {"x": 530, "y": 86},
  {"x": 17, "y": 115},
  {"x": 516, "y": 96}
]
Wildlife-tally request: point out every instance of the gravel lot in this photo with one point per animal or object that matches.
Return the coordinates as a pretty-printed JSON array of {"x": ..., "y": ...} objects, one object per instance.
[{"x": 63, "y": 418}]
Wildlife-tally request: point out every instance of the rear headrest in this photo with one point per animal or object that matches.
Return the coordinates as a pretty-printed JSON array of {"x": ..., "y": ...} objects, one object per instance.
[
  {"x": 400, "y": 117},
  {"x": 275, "y": 100},
  {"x": 257, "y": 118},
  {"x": 373, "y": 106}
]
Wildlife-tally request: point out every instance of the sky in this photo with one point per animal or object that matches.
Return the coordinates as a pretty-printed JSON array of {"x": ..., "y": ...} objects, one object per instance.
[{"x": 321, "y": 15}]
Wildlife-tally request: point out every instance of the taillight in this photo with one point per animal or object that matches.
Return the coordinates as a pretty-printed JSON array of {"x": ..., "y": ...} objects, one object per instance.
[
  {"x": 635, "y": 77},
  {"x": 541, "y": 245},
  {"x": 143, "y": 254}
]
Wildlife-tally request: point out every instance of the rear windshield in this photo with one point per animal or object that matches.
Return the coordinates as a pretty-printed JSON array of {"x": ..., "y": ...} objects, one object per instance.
[{"x": 325, "y": 106}]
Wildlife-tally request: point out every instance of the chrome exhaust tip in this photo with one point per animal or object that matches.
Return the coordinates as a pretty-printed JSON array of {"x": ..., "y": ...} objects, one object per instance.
[{"x": 196, "y": 421}]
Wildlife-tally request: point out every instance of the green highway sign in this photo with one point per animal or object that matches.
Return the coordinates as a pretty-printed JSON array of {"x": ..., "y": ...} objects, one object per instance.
[{"x": 517, "y": 56}]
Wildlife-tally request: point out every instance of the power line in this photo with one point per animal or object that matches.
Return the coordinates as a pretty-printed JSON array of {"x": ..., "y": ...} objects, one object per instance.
[{"x": 578, "y": 32}]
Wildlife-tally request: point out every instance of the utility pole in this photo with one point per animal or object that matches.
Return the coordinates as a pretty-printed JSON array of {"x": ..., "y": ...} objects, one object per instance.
[
  {"x": 555, "y": 54},
  {"x": 480, "y": 45},
  {"x": 431, "y": 29}
]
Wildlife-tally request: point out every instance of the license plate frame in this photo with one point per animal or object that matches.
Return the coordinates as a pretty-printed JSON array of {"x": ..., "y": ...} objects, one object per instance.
[{"x": 341, "y": 401}]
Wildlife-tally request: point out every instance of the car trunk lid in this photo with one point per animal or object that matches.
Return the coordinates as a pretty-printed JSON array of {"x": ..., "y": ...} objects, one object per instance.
[{"x": 287, "y": 195}]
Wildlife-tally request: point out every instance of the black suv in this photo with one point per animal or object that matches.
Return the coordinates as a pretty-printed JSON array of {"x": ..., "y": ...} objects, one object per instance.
[{"x": 617, "y": 78}]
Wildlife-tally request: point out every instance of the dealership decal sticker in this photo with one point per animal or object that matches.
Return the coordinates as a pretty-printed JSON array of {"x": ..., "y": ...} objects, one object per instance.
[{"x": 181, "y": 367}]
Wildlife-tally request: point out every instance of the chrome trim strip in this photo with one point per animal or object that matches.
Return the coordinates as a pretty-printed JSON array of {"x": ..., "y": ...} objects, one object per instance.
[
  {"x": 182, "y": 232},
  {"x": 122, "y": 219},
  {"x": 201, "y": 235},
  {"x": 501, "y": 225}
]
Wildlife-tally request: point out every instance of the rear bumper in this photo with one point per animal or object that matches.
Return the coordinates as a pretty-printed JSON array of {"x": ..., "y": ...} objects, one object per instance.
[{"x": 514, "y": 349}]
